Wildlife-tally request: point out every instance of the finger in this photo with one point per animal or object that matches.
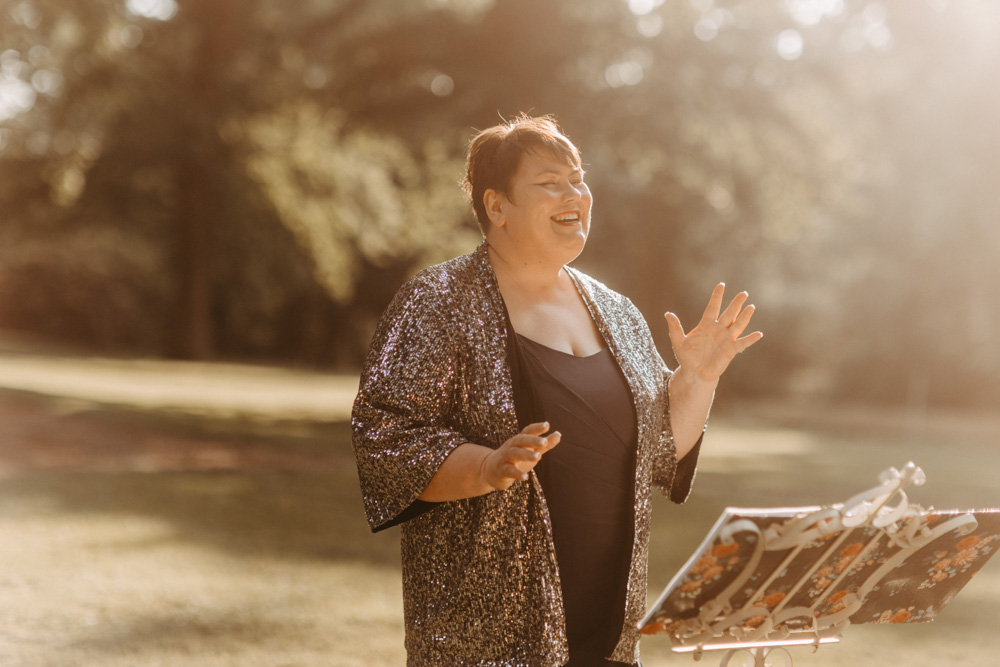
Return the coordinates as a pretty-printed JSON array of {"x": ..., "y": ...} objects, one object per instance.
[
  {"x": 714, "y": 303},
  {"x": 507, "y": 468},
  {"x": 732, "y": 311},
  {"x": 515, "y": 455},
  {"x": 500, "y": 470},
  {"x": 674, "y": 329},
  {"x": 510, "y": 473},
  {"x": 535, "y": 442},
  {"x": 742, "y": 320},
  {"x": 532, "y": 453},
  {"x": 537, "y": 428},
  {"x": 552, "y": 439},
  {"x": 747, "y": 341}
]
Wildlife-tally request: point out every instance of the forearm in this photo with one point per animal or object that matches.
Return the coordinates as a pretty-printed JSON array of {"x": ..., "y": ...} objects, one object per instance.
[
  {"x": 460, "y": 475},
  {"x": 690, "y": 401}
]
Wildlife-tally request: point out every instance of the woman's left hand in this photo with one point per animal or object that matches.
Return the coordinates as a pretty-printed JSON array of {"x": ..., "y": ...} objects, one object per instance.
[{"x": 708, "y": 348}]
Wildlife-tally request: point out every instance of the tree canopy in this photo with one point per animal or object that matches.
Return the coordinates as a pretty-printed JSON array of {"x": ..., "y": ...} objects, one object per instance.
[{"x": 254, "y": 179}]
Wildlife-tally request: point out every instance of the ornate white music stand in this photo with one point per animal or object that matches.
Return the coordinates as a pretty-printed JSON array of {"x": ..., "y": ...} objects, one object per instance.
[{"x": 768, "y": 579}]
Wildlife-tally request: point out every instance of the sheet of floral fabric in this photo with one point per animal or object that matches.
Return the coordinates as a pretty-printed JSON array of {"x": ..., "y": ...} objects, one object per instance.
[{"x": 864, "y": 574}]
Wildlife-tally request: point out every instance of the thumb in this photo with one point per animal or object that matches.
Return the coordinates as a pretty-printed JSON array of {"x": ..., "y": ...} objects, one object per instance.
[{"x": 674, "y": 329}]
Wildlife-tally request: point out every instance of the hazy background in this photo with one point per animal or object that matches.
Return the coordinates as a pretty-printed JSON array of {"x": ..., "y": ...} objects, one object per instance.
[
  {"x": 251, "y": 180},
  {"x": 205, "y": 205}
]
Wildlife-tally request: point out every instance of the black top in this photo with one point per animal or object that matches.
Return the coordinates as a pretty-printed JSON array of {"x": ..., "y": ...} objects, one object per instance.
[{"x": 589, "y": 482}]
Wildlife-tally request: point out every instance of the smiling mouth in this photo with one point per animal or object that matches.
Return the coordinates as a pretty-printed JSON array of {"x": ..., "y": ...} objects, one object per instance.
[{"x": 567, "y": 218}]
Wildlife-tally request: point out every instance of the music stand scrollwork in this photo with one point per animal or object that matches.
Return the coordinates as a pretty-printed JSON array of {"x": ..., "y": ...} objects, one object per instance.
[{"x": 765, "y": 580}]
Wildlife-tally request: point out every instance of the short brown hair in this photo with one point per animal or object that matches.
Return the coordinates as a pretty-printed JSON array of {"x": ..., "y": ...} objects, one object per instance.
[{"x": 495, "y": 153}]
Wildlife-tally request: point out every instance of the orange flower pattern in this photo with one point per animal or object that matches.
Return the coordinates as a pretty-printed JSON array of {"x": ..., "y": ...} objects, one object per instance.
[
  {"x": 915, "y": 591},
  {"x": 710, "y": 568},
  {"x": 947, "y": 564}
]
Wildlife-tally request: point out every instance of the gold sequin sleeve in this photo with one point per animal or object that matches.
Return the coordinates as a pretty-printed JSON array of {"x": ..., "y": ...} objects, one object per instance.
[
  {"x": 672, "y": 478},
  {"x": 401, "y": 435}
]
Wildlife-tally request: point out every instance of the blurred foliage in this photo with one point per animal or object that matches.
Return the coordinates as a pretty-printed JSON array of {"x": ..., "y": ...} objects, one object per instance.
[
  {"x": 254, "y": 179},
  {"x": 328, "y": 186}
]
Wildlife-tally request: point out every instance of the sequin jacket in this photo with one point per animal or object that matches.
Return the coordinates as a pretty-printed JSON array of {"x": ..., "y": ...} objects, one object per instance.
[{"x": 480, "y": 580}]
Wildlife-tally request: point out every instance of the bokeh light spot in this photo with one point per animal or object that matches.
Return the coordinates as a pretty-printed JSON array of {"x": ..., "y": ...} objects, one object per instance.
[
  {"x": 442, "y": 85},
  {"x": 650, "y": 25},
  {"x": 627, "y": 73},
  {"x": 811, "y": 12},
  {"x": 643, "y": 7},
  {"x": 790, "y": 44},
  {"x": 37, "y": 54},
  {"x": 705, "y": 29},
  {"x": 314, "y": 77},
  {"x": 26, "y": 14},
  {"x": 162, "y": 10},
  {"x": 16, "y": 96},
  {"x": 880, "y": 37},
  {"x": 46, "y": 81},
  {"x": 37, "y": 143},
  {"x": 130, "y": 36},
  {"x": 720, "y": 198}
]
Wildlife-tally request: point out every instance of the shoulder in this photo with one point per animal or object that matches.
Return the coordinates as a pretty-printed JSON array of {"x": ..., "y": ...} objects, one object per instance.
[
  {"x": 447, "y": 274},
  {"x": 604, "y": 296},
  {"x": 446, "y": 287}
]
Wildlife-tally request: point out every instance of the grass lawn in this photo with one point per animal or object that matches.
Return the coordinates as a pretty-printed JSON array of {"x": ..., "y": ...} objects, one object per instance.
[{"x": 140, "y": 537}]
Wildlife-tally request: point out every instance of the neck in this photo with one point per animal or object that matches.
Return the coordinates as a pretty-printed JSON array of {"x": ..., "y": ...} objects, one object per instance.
[{"x": 523, "y": 274}]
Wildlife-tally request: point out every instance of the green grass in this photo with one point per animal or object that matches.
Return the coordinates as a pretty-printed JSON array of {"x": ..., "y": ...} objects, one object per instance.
[{"x": 258, "y": 554}]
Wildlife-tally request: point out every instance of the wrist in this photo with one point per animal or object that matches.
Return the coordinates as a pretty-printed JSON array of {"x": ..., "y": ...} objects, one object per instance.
[
  {"x": 485, "y": 478},
  {"x": 690, "y": 379}
]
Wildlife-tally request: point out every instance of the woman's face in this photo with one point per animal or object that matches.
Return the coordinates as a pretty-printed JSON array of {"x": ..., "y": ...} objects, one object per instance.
[{"x": 548, "y": 210}]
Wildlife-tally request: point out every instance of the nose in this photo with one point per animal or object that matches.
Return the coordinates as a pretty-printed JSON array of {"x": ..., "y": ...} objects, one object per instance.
[{"x": 572, "y": 192}]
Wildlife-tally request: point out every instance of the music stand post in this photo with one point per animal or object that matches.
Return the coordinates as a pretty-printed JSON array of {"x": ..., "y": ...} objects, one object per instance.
[{"x": 765, "y": 580}]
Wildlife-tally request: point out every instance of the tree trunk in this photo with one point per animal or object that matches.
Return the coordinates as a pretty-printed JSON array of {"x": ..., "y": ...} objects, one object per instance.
[{"x": 196, "y": 169}]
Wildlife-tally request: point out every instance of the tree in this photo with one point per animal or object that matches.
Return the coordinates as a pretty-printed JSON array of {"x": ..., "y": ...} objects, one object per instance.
[{"x": 245, "y": 179}]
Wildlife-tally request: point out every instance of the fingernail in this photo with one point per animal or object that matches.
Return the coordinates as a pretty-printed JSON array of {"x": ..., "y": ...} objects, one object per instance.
[{"x": 536, "y": 455}]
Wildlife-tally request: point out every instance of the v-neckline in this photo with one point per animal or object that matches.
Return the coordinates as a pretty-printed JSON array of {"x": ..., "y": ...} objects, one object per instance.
[{"x": 524, "y": 338}]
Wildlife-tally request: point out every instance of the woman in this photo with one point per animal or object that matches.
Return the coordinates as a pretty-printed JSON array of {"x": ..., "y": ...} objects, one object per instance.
[{"x": 513, "y": 416}]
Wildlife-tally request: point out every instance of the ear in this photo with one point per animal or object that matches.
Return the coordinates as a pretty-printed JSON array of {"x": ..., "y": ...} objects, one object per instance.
[{"x": 494, "y": 202}]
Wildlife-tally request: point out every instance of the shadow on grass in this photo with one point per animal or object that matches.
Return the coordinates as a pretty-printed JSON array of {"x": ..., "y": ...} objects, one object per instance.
[
  {"x": 295, "y": 494},
  {"x": 166, "y": 633},
  {"x": 292, "y": 495},
  {"x": 244, "y": 488},
  {"x": 270, "y": 514}
]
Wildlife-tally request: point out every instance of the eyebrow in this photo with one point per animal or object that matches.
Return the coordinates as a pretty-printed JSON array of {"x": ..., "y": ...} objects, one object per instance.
[{"x": 554, "y": 172}]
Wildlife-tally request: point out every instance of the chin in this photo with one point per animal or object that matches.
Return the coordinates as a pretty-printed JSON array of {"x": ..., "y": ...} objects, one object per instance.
[{"x": 572, "y": 247}]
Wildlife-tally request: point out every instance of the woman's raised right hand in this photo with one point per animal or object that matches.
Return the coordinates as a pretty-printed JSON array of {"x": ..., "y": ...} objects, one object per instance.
[{"x": 514, "y": 459}]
